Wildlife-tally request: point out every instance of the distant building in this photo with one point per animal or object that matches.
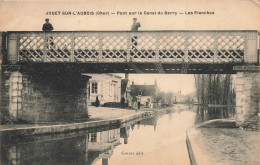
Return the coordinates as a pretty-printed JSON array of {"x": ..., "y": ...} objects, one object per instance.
[
  {"x": 106, "y": 86},
  {"x": 147, "y": 93},
  {"x": 179, "y": 97}
]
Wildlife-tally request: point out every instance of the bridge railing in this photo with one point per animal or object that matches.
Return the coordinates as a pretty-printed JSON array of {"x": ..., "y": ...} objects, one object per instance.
[{"x": 141, "y": 46}]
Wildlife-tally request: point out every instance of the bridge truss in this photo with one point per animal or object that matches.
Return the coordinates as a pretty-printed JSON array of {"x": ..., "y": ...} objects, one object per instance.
[{"x": 142, "y": 51}]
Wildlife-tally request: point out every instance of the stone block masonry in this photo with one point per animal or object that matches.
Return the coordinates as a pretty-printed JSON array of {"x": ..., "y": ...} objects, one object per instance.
[
  {"x": 2, "y": 60},
  {"x": 247, "y": 96},
  {"x": 35, "y": 97}
]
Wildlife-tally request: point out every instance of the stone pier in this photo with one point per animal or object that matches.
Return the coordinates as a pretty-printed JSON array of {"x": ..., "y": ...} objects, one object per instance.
[
  {"x": 34, "y": 96},
  {"x": 247, "y": 96}
]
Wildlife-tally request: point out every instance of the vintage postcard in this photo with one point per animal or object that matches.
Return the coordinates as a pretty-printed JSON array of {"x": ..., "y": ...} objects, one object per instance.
[{"x": 133, "y": 82}]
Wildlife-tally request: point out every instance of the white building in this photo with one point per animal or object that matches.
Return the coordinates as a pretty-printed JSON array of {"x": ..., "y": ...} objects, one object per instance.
[{"x": 106, "y": 86}]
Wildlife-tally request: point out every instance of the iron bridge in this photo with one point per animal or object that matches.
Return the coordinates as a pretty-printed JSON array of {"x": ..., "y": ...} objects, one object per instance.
[{"x": 134, "y": 52}]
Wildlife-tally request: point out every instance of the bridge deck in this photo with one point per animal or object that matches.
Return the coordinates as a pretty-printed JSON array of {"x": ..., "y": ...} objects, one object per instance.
[{"x": 185, "y": 48}]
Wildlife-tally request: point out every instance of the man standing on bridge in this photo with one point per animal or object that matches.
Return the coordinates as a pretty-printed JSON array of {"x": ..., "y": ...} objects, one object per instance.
[
  {"x": 135, "y": 25},
  {"x": 134, "y": 28},
  {"x": 47, "y": 27}
]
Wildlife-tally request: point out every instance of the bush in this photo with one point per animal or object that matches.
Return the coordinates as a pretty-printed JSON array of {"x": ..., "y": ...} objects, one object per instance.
[{"x": 4, "y": 119}]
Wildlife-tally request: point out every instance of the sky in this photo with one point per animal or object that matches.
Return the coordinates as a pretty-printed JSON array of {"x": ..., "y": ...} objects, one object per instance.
[
  {"x": 225, "y": 15},
  {"x": 228, "y": 14}
]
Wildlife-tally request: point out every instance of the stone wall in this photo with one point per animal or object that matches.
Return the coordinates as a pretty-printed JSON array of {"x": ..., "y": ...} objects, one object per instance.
[
  {"x": 247, "y": 95},
  {"x": 5, "y": 85},
  {"x": 3, "y": 117},
  {"x": 35, "y": 97}
]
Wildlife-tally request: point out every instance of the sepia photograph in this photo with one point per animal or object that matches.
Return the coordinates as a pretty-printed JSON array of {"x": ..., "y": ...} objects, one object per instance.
[{"x": 129, "y": 82}]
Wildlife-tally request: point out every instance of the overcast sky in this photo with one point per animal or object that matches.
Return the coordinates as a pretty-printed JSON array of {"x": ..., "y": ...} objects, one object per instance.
[{"x": 228, "y": 15}]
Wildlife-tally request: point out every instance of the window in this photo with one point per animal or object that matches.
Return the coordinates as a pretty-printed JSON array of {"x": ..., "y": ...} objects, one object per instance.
[
  {"x": 92, "y": 137},
  {"x": 112, "y": 134},
  {"x": 94, "y": 87},
  {"x": 112, "y": 90}
]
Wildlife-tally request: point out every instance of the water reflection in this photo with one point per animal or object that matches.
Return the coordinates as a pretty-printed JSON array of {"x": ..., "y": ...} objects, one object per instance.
[
  {"x": 65, "y": 151},
  {"x": 205, "y": 113},
  {"x": 83, "y": 148},
  {"x": 151, "y": 121},
  {"x": 124, "y": 133},
  {"x": 145, "y": 137}
]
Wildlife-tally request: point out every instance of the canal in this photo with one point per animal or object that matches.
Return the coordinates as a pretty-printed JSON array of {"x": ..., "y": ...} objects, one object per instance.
[{"x": 156, "y": 140}]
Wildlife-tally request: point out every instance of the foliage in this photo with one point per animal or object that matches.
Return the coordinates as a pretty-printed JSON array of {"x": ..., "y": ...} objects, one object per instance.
[
  {"x": 4, "y": 119},
  {"x": 164, "y": 97},
  {"x": 215, "y": 89}
]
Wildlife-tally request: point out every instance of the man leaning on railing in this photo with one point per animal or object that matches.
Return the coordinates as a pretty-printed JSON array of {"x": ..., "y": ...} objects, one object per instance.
[{"x": 134, "y": 28}]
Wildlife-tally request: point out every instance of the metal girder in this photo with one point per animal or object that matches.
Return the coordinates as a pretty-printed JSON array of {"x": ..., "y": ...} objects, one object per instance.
[
  {"x": 134, "y": 67},
  {"x": 159, "y": 67}
]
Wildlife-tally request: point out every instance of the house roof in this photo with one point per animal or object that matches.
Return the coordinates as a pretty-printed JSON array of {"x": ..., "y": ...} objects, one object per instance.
[
  {"x": 94, "y": 75},
  {"x": 147, "y": 90}
]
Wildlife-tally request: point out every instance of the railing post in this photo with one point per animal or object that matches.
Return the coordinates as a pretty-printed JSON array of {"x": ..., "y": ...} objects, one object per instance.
[
  {"x": 45, "y": 47},
  {"x": 72, "y": 59},
  {"x": 258, "y": 55},
  {"x": 100, "y": 46},
  {"x": 128, "y": 46},
  {"x": 12, "y": 48},
  {"x": 250, "y": 41},
  {"x": 186, "y": 52},
  {"x": 245, "y": 48},
  {"x": 185, "y": 65},
  {"x": 18, "y": 46},
  {"x": 2, "y": 49},
  {"x": 215, "y": 51},
  {"x": 157, "y": 38}
]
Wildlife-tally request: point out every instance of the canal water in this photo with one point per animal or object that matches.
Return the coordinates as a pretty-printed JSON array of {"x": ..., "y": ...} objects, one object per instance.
[{"x": 153, "y": 141}]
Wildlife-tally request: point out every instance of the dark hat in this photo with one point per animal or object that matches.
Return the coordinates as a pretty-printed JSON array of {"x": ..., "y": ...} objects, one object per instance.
[
  {"x": 134, "y": 18},
  {"x": 47, "y": 19}
]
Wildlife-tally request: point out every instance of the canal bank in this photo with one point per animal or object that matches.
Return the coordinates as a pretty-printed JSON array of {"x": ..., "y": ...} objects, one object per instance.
[
  {"x": 99, "y": 117},
  {"x": 220, "y": 141}
]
